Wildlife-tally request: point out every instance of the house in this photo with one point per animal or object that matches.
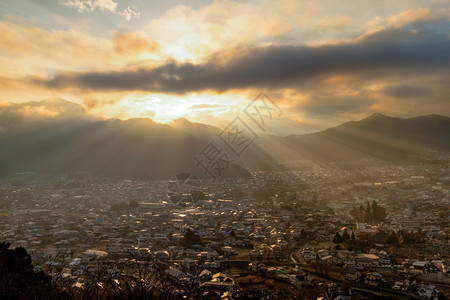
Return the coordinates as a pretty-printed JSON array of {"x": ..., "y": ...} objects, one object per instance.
[
  {"x": 205, "y": 275},
  {"x": 309, "y": 254},
  {"x": 91, "y": 255},
  {"x": 227, "y": 250},
  {"x": 323, "y": 253},
  {"x": 350, "y": 262},
  {"x": 428, "y": 291},
  {"x": 226, "y": 296},
  {"x": 208, "y": 255},
  {"x": 220, "y": 283},
  {"x": 257, "y": 267},
  {"x": 188, "y": 263},
  {"x": 367, "y": 260},
  {"x": 352, "y": 274},
  {"x": 211, "y": 265},
  {"x": 175, "y": 273},
  {"x": 373, "y": 278},
  {"x": 144, "y": 252},
  {"x": 162, "y": 255},
  {"x": 328, "y": 259},
  {"x": 419, "y": 266},
  {"x": 440, "y": 264},
  {"x": 220, "y": 277},
  {"x": 211, "y": 295},
  {"x": 300, "y": 280}
]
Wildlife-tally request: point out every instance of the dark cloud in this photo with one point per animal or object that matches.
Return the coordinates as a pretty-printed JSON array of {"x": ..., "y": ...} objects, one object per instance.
[
  {"x": 405, "y": 91},
  {"x": 412, "y": 49},
  {"x": 328, "y": 104}
]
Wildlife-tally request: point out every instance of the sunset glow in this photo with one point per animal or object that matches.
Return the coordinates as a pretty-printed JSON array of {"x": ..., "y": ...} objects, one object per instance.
[{"x": 127, "y": 59}]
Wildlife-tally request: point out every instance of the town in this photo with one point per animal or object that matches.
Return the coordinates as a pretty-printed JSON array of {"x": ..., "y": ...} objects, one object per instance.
[{"x": 322, "y": 233}]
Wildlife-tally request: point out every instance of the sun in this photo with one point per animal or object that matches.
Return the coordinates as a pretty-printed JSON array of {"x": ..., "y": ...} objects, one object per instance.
[{"x": 214, "y": 109}]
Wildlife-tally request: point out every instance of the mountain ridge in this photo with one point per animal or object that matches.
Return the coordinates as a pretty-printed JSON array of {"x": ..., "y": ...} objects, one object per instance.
[{"x": 143, "y": 148}]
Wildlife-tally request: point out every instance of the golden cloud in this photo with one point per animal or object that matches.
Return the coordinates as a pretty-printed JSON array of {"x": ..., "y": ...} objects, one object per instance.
[{"x": 134, "y": 44}]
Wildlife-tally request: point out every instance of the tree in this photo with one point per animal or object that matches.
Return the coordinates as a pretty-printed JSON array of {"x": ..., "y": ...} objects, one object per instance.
[
  {"x": 442, "y": 295},
  {"x": 190, "y": 238},
  {"x": 19, "y": 280},
  {"x": 337, "y": 238},
  {"x": 408, "y": 238},
  {"x": 374, "y": 206},
  {"x": 420, "y": 235},
  {"x": 303, "y": 234},
  {"x": 133, "y": 204},
  {"x": 392, "y": 239},
  {"x": 379, "y": 214},
  {"x": 359, "y": 214},
  {"x": 345, "y": 236},
  {"x": 369, "y": 214},
  {"x": 122, "y": 206}
]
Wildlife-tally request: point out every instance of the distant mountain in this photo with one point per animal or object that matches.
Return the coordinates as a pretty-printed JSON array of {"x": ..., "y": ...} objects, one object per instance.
[
  {"x": 132, "y": 148},
  {"x": 378, "y": 138},
  {"x": 58, "y": 137},
  {"x": 199, "y": 130}
]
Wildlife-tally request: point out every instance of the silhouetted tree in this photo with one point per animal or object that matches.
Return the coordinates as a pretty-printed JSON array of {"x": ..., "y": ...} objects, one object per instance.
[
  {"x": 378, "y": 214},
  {"x": 337, "y": 238},
  {"x": 19, "y": 280},
  {"x": 303, "y": 234},
  {"x": 408, "y": 238},
  {"x": 370, "y": 214},
  {"x": 345, "y": 236},
  {"x": 133, "y": 204},
  {"x": 392, "y": 239},
  {"x": 190, "y": 238},
  {"x": 374, "y": 206}
]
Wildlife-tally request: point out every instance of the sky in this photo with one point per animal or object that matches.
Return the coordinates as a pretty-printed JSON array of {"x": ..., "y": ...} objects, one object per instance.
[{"x": 322, "y": 62}]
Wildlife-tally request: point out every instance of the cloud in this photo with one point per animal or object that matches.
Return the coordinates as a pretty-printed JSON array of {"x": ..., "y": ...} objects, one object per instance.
[
  {"x": 401, "y": 19},
  {"x": 193, "y": 34},
  {"x": 102, "y": 5},
  {"x": 95, "y": 103},
  {"x": 29, "y": 49},
  {"x": 318, "y": 63},
  {"x": 391, "y": 51},
  {"x": 133, "y": 44},
  {"x": 330, "y": 27},
  {"x": 129, "y": 13},
  {"x": 14, "y": 116},
  {"x": 330, "y": 104},
  {"x": 405, "y": 91},
  {"x": 206, "y": 106}
]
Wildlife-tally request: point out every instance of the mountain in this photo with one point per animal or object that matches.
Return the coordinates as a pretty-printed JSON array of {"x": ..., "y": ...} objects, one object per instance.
[
  {"x": 199, "y": 130},
  {"x": 378, "y": 138},
  {"x": 137, "y": 148},
  {"x": 58, "y": 137}
]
